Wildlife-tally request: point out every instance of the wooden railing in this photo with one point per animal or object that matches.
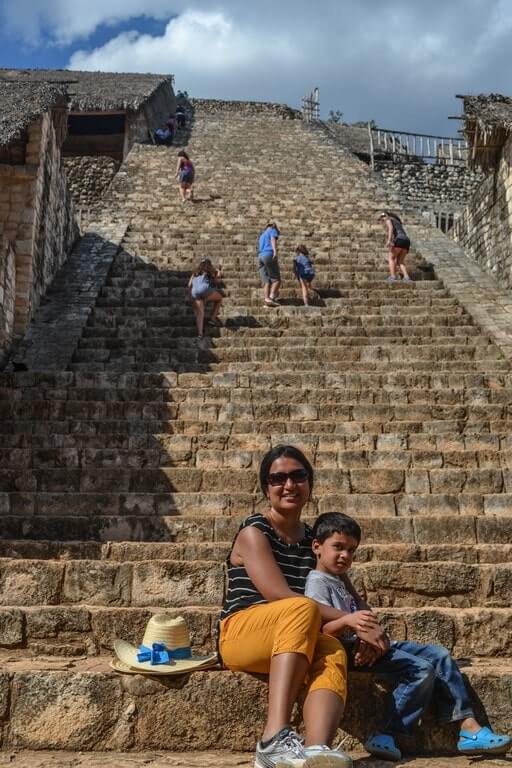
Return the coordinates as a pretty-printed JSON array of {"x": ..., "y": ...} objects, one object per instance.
[
  {"x": 439, "y": 149},
  {"x": 311, "y": 106}
]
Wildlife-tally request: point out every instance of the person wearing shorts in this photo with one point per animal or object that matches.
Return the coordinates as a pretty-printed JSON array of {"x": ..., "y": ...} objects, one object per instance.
[
  {"x": 185, "y": 174},
  {"x": 268, "y": 264},
  {"x": 398, "y": 244},
  {"x": 203, "y": 287}
]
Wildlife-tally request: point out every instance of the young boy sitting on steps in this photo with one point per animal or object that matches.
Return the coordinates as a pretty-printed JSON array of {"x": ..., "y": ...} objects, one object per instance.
[{"x": 420, "y": 671}]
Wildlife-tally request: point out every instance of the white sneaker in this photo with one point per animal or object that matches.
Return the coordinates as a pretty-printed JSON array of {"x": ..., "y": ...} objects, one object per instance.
[
  {"x": 321, "y": 756},
  {"x": 284, "y": 751}
]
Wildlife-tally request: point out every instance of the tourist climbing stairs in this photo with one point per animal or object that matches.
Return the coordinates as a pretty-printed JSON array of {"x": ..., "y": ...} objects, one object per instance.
[{"x": 125, "y": 471}]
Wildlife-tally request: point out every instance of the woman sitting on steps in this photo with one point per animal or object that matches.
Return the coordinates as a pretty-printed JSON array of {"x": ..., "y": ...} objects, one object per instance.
[{"x": 268, "y": 627}]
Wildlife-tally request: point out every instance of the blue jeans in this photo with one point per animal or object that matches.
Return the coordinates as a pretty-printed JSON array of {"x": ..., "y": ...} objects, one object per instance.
[{"x": 421, "y": 673}]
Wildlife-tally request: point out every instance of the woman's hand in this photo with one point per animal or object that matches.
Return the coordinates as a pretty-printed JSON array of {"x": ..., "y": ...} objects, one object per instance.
[{"x": 365, "y": 655}]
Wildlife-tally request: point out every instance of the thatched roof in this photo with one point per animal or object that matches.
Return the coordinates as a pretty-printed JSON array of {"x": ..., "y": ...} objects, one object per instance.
[
  {"x": 487, "y": 125},
  {"x": 95, "y": 91},
  {"x": 22, "y": 103}
]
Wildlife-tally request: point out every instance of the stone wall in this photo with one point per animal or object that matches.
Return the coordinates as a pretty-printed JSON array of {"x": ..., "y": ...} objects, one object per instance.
[
  {"x": 154, "y": 112},
  {"x": 7, "y": 296},
  {"x": 55, "y": 227},
  {"x": 447, "y": 186},
  {"x": 89, "y": 178},
  {"x": 247, "y": 108},
  {"x": 36, "y": 216},
  {"x": 485, "y": 228}
]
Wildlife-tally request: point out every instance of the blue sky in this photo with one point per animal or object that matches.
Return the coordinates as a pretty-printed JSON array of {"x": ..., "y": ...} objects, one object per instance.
[
  {"x": 48, "y": 54},
  {"x": 399, "y": 62}
]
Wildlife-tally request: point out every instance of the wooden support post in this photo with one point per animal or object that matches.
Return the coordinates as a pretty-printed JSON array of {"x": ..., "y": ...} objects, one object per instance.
[{"x": 372, "y": 153}]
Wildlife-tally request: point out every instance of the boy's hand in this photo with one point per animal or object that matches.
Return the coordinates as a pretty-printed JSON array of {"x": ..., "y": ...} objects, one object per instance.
[{"x": 361, "y": 621}]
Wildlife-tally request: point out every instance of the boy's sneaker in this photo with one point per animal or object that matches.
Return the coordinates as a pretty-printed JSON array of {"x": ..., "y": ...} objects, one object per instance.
[
  {"x": 321, "y": 756},
  {"x": 286, "y": 750}
]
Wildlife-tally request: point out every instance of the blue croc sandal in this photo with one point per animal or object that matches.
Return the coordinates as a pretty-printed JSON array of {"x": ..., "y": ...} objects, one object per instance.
[
  {"x": 483, "y": 741},
  {"x": 382, "y": 745}
]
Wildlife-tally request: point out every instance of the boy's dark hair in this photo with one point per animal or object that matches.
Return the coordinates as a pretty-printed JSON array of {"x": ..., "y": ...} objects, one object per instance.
[
  {"x": 335, "y": 522},
  {"x": 289, "y": 452}
]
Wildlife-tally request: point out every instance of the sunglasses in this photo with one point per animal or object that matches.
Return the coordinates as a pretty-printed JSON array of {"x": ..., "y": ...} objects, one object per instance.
[{"x": 280, "y": 478}]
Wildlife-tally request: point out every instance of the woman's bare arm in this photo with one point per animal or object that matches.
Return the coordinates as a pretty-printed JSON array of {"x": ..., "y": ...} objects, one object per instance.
[
  {"x": 389, "y": 239},
  {"x": 252, "y": 550}
]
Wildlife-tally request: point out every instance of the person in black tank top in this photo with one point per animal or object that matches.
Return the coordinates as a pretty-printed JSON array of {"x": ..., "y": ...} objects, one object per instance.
[
  {"x": 267, "y": 626},
  {"x": 398, "y": 244}
]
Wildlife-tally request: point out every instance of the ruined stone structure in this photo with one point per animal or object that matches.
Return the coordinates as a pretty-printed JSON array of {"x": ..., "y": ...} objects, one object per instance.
[
  {"x": 429, "y": 188},
  {"x": 37, "y": 225},
  {"x": 485, "y": 229},
  {"x": 129, "y": 455},
  {"x": 48, "y": 115},
  {"x": 108, "y": 111}
]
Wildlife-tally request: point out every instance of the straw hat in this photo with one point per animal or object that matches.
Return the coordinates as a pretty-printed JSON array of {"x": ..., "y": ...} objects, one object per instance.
[{"x": 172, "y": 636}]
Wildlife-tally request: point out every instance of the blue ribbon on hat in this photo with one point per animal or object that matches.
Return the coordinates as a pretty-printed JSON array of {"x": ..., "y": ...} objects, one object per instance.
[{"x": 160, "y": 654}]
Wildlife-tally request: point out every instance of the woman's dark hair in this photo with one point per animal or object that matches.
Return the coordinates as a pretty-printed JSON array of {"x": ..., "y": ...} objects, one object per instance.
[
  {"x": 392, "y": 215},
  {"x": 182, "y": 153},
  {"x": 273, "y": 225},
  {"x": 288, "y": 452},
  {"x": 302, "y": 249},
  {"x": 335, "y": 522},
  {"x": 204, "y": 266}
]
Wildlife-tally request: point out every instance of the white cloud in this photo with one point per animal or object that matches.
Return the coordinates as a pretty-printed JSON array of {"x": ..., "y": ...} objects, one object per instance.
[
  {"x": 197, "y": 43},
  {"x": 398, "y": 61}
]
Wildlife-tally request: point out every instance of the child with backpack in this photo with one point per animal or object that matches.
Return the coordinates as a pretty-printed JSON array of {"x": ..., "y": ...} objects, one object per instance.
[
  {"x": 304, "y": 271},
  {"x": 202, "y": 288}
]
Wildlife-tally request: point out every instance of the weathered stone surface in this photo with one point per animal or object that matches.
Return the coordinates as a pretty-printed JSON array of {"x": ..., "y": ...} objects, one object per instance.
[
  {"x": 171, "y": 584},
  {"x": 29, "y": 582},
  {"x": 97, "y": 583},
  {"x": 11, "y": 628},
  {"x": 217, "y": 759},
  {"x": 64, "y": 711}
]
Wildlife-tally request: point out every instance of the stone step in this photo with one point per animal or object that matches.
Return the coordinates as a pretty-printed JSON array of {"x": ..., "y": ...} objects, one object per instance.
[
  {"x": 55, "y": 383},
  {"x": 89, "y": 630},
  {"x": 390, "y": 482},
  {"x": 148, "y": 518},
  {"x": 176, "y": 583},
  {"x": 127, "y": 551},
  {"x": 212, "y": 759},
  {"x": 98, "y": 709},
  {"x": 475, "y": 345},
  {"x": 155, "y": 456}
]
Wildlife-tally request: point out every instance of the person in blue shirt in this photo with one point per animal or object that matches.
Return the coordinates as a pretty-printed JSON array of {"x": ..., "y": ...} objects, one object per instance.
[
  {"x": 304, "y": 271},
  {"x": 268, "y": 264}
]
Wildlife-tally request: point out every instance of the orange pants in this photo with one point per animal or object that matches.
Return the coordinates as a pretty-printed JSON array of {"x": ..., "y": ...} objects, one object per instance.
[{"x": 249, "y": 639}]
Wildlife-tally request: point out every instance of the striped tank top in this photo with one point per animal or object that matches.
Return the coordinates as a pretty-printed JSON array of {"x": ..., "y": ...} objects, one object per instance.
[{"x": 294, "y": 560}]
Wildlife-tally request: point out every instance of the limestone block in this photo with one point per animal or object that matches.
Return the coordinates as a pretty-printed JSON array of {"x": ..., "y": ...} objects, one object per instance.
[
  {"x": 97, "y": 583},
  {"x": 483, "y": 632},
  {"x": 43, "y": 623},
  {"x": 424, "y": 625},
  {"x": 502, "y": 594},
  {"x": 182, "y": 702},
  {"x": 30, "y": 582},
  {"x": 64, "y": 711},
  {"x": 11, "y": 628},
  {"x": 172, "y": 584},
  {"x": 376, "y": 480}
]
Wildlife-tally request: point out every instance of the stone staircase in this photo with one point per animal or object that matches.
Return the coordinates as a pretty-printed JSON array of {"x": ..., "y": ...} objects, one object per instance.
[{"x": 126, "y": 468}]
